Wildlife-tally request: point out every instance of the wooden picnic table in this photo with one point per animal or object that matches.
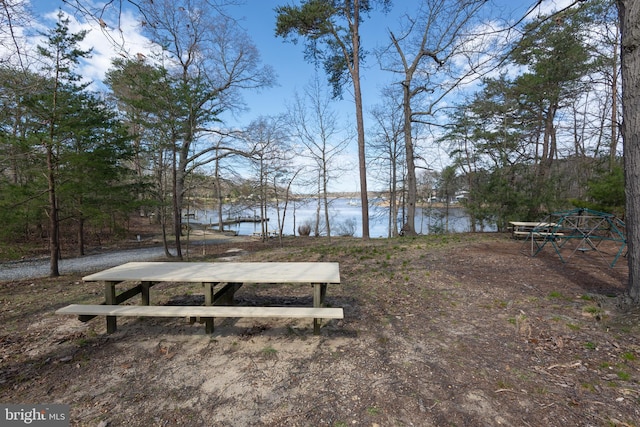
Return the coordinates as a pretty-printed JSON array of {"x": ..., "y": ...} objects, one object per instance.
[
  {"x": 230, "y": 276},
  {"x": 525, "y": 228}
]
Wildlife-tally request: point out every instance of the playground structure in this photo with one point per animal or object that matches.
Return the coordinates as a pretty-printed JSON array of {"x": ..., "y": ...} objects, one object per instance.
[{"x": 580, "y": 231}]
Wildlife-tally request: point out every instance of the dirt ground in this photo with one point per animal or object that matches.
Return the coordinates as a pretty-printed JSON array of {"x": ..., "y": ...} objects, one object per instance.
[{"x": 457, "y": 330}]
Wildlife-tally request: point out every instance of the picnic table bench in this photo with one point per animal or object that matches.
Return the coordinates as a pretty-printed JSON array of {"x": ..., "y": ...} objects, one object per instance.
[{"x": 229, "y": 276}]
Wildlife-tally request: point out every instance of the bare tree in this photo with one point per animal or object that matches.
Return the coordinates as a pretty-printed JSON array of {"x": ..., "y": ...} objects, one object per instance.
[
  {"x": 388, "y": 150},
  {"x": 282, "y": 183},
  {"x": 271, "y": 159},
  {"x": 214, "y": 60},
  {"x": 336, "y": 26},
  {"x": 14, "y": 16},
  {"x": 315, "y": 125},
  {"x": 433, "y": 54}
]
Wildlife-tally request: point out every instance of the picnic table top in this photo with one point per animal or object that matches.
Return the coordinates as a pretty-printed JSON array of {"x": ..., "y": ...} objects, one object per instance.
[
  {"x": 532, "y": 224},
  {"x": 217, "y": 272}
]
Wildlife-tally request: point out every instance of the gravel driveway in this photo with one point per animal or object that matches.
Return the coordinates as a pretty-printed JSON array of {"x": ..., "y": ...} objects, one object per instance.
[{"x": 32, "y": 269}]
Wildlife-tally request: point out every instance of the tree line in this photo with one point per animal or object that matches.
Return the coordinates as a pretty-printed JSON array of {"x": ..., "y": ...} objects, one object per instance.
[
  {"x": 77, "y": 158},
  {"x": 528, "y": 114}
]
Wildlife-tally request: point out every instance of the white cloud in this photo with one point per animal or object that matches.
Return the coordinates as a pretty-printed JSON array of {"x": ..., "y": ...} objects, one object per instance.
[
  {"x": 117, "y": 38},
  {"x": 121, "y": 36}
]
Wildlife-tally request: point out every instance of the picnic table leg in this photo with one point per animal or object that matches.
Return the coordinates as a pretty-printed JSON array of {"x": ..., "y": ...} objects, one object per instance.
[
  {"x": 225, "y": 295},
  {"x": 319, "y": 292},
  {"x": 144, "y": 290},
  {"x": 208, "y": 300},
  {"x": 110, "y": 299}
]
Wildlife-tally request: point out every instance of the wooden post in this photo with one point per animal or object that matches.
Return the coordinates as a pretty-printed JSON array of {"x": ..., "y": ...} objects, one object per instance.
[
  {"x": 208, "y": 300},
  {"x": 319, "y": 292},
  {"x": 144, "y": 291},
  {"x": 110, "y": 299}
]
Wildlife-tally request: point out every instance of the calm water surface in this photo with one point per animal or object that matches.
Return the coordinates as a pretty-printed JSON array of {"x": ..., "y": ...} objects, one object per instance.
[{"x": 345, "y": 215}]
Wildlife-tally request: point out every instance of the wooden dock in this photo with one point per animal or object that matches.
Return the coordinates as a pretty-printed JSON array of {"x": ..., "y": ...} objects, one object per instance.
[
  {"x": 225, "y": 222},
  {"x": 241, "y": 219}
]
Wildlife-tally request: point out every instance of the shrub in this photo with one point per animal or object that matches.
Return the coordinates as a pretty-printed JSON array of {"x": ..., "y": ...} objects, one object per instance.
[{"x": 304, "y": 230}]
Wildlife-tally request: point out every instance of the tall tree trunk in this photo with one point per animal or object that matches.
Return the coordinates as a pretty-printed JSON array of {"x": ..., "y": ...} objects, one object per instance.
[
  {"x": 409, "y": 227},
  {"x": 219, "y": 194},
  {"x": 357, "y": 92},
  {"x": 161, "y": 210},
  {"x": 393, "y": 197},
  {"x": 176, "y": 204},
  {"x": 629, "y": 13},
  {"x": 81, "y": 236},
  {"x": 54, "y": 232},
  {"x": 547, "y": 150},
  {"x": 614, "y": 108},
  {"x": 325, "y": 200},
  {"x": 263, "y": 202},
  {"x": 54, "y": 235},
  {"x": 316, "y": 230}
]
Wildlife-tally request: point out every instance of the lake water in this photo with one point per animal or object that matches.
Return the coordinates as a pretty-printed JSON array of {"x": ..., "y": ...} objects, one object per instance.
[{"x": 344, "y": 214}]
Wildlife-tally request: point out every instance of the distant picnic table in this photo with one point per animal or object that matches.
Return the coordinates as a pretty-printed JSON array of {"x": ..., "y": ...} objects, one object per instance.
[
  {"x": 524, "y": 229},
  {"x": 576, "y": 231},
  {"x": 221, "y": 280}
]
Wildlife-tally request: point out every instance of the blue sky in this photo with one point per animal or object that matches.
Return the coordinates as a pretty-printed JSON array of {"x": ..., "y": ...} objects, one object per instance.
[{"x": 258, "y": 18}]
